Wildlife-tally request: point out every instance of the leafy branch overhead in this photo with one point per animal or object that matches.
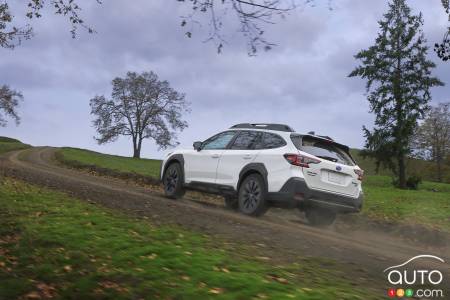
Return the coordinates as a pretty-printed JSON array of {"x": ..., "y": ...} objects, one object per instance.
[
  {"x": 9, "y": 101},
  {"x": 142, "y": 107},
  {"x": 251, "y": 16},
  {"x": 11, "y": 35},
  {"x": 443, "y": 49}
]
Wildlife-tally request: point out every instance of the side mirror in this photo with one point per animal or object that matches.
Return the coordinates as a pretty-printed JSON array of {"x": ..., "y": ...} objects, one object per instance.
[{"x": 198, "y": 146}]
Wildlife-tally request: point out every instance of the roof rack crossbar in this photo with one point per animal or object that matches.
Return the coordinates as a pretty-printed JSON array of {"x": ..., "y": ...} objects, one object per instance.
[{"x": 268, "y": 126}]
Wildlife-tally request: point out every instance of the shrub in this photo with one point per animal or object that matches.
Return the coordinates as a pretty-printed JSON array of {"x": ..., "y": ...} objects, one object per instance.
[{"x": 413, "y": 182}]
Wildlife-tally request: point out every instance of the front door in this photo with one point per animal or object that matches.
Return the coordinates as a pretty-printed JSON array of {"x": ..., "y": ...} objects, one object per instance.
[
  {"x": 201, "y": 166},
  {"x": 236, "y": 157}
]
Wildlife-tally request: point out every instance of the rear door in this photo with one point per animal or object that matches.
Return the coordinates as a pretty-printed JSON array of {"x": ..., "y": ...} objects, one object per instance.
[
  {"x": 201, "y": 166},
  {"x": 240, "y": 153},
  {"x": 335, "y": 173}
]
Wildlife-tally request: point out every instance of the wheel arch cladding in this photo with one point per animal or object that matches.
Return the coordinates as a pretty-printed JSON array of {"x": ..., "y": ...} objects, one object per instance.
[
  {"x": 253, "y": 168},
  {"x": 176, "y": 158}
]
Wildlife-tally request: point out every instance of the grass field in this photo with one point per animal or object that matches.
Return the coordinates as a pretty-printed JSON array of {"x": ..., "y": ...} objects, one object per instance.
[
  {"x": 9, "y": 144},
  {"x": 429, "y": 206},
  {"x": 145, "y": 167},
  {"x": 424, "y": 169},
  {"x": 54, "y": 246}
]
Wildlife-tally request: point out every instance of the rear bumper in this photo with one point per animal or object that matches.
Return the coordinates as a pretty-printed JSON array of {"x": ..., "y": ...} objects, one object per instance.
[{"x": 295, "y": 192}]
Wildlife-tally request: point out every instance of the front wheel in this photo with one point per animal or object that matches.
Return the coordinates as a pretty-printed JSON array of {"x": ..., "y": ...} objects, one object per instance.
[
  {"x": 173, "y": 181},
  {"x": 252, "y": 194},
  {"x": 320, "y": 217}
]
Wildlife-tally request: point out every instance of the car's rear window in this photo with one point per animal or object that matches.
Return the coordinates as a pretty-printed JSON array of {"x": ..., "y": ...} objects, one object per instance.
[
  {"x": 323, "y": 149},
  {"x": 270, "y": 141}
]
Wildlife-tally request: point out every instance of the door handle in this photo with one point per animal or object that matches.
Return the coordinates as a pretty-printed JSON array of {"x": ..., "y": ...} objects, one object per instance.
[
  {"x": 215, "y": 156},
  {"x": 247, "y": 156}
]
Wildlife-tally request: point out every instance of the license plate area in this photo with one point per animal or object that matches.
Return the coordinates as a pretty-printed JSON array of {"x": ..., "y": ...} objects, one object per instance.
[{"x": 335, "y": 177}]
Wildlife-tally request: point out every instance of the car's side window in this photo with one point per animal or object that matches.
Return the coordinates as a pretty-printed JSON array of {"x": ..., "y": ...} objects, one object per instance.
[
  {"x": 270, "y": 141},
  {"x": 245, "y": 140},
  {"x": 219, "y": 141}
]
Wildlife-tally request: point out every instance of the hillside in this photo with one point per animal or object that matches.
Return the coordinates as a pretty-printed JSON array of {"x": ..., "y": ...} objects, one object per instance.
[
  {"x": 9, "y": 144},
  {"x": 425, "y": 169}
]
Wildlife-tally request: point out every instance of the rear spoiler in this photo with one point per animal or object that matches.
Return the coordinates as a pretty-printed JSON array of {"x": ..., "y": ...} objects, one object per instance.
[{"x": 327, "y": 140}]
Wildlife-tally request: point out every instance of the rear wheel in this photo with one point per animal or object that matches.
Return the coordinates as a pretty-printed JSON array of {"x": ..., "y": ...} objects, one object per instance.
[
  {"x": 251, "y": 197},
  {"x": 320, "y": 217},
  {"x": 173, "y": 181}
]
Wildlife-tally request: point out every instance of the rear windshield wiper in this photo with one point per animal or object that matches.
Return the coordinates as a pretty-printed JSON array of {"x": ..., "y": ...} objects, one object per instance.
[{"x": 328, "y": 158}]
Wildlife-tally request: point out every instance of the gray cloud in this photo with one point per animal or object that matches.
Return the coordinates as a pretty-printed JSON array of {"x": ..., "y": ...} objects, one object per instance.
[{"x": 302, "y": 81}]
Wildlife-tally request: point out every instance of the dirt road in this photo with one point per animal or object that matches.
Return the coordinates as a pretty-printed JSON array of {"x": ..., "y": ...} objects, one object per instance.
[{"x": 278, "y": 235}]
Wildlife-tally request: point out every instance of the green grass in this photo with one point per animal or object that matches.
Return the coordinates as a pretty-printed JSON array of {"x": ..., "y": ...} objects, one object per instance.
[
  {"x": 383, "y": 202},
  {"x": 145, "y": 167},
  {"x": 9, "y": 144},
  {"x": 54, "y": 245},
  {"x": 429, "y": 206},
  {"x": 424, "y": 169}
]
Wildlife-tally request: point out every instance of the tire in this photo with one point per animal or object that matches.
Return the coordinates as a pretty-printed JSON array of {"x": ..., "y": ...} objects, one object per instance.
[
  {"x": 252, "y": 196},
  {"x": 231, "y": 202},
  {"x": 320, "y": 217},
  {"x": 173, "y": 182}
]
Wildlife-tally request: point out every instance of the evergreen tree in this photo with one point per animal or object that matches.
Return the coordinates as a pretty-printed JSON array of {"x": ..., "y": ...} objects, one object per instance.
[{"x": 399, "y": 79}]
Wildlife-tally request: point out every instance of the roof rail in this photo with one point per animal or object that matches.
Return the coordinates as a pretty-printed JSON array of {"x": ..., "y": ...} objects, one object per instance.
[{"x": 268, "y": 126}]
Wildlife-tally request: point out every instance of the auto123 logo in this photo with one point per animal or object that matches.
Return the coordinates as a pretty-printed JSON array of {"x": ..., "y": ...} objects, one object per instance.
[{"x": 416, "y": 282}]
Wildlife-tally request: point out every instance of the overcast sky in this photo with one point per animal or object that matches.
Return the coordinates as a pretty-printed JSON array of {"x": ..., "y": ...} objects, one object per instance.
[{"x": 301, "y": 82}]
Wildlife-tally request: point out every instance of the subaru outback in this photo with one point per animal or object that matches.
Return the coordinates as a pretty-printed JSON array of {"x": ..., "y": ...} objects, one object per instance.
[{"x": 256, "y": 166}]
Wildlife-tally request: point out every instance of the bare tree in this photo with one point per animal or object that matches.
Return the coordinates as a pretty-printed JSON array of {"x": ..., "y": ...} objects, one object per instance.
[
  {"x": 142, "y": 107},
  {"x": 432, "y": 140},
  {"x": 9, "y": 101}
]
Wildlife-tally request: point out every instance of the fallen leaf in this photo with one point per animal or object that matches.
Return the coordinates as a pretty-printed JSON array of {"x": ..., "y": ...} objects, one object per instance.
[
  {"x": 47, "y": 291},
  {"x": 152, "y": 256},
  {"x": 282, "y": 280},
  {"x": 216, "y": 291},
  {"x": 68, "y": 268},
  {"x": 263, "y": 257},
  {"x": 33, "y": 295},
  {"x": 290, "y": 296}
]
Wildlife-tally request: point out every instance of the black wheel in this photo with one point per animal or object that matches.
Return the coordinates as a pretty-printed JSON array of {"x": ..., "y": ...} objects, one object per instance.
[
  {"x": 320, "y": 217},
  {"x": 231, "y": 202},
  {"x": 173, "y": 182},
  {"x": 252, "y": 194}
]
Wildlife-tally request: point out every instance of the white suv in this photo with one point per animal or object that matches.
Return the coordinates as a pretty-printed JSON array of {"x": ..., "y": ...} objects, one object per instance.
[{"x": 255, "y": 166}]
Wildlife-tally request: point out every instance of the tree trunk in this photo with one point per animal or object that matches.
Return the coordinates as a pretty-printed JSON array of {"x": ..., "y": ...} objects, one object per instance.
[
  {"x": 439, "y": 169},
  {"x": 401, "y": 172},
  {"x": 136, "y": 148},
  {"x": 137, "y": 152}
]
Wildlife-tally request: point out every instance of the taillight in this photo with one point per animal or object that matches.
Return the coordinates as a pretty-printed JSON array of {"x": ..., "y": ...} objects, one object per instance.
[
  {"x": 300, "y": 160},
  {"x": 360, "y": 174}
]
